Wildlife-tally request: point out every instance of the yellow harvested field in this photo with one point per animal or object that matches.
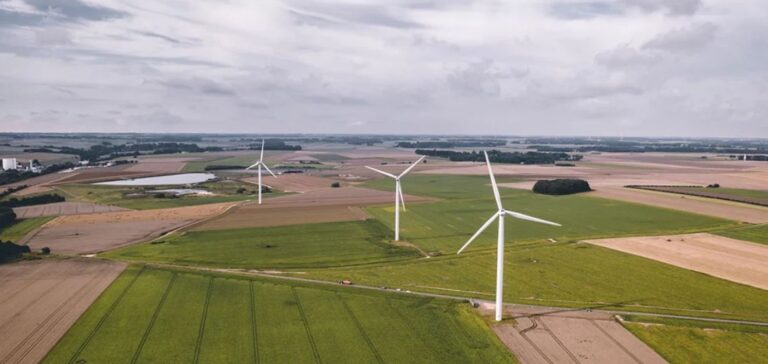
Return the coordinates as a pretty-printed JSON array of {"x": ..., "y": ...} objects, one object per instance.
[
  {"x": 63, "y": 208},
  {"x": 735, "y": 260},
  {"x": 41, "y": 299}
]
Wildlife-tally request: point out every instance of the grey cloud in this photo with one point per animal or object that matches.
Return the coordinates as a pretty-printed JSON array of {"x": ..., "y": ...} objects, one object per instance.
[
  {"x": 482, "y": 78},
  {"x": 690, "y": 38},
  {"x": 319, "y": 14},
  {"x": 76, "y": 9},
  {"x": 625, "y": 56},
  {"x": 198, "y": 84},
  {"x": 160, "y": 36},
  {"x": 592, "y": 9}
]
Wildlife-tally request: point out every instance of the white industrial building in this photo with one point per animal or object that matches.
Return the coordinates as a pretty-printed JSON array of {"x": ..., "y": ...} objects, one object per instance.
[{"x": 9, "y": 163}]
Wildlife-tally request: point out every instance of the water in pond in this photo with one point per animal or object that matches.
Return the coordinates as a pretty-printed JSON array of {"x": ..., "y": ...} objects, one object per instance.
[{"x": 173, "y": 179}]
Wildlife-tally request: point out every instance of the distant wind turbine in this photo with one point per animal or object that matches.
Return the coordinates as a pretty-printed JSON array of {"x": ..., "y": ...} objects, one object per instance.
[
  {"x": 260, "y": 164},
  {"x": 499, "y": 215},
  {"x": 398, "y": 193}
]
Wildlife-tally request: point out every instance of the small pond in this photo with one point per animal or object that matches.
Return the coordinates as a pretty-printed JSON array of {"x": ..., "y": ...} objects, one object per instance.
[{"x": 173, "y": 179}]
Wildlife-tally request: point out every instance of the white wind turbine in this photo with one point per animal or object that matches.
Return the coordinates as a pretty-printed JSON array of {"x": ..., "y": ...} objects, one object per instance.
[
  {"x": 500, "y": 247},
  {"x": 398, "y": 193},
  {"x": 260, "y": 164}
]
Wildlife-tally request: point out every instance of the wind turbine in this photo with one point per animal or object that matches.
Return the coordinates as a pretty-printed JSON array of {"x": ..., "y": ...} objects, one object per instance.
[
  {"x": 260, "y": 164},
  {"x": 499, "y": 215},
  {"x": 398, "y": 193}
]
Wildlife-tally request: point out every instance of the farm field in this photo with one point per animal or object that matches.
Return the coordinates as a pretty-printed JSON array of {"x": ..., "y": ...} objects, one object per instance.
[
  {"x": 21, "y": 228},
  {"x": 62, "y": 208},
  {"x": 154, "y": 315},
  {"x": 92, "y": 233},
  {"x": 41, "y": 299},
  {"x": 113, "y": 195},
  {"x": 754, "y": 197},
  {"x": 297, "y": 246},
  {"x": 566, "y": 275},
  {"x": 243, "y": 161},
  {"x": 753, "y": 233},
  {"x": 680, "y": 341},
  {"x": 445, "y": 225},
  {"x": 735, "y": 260}
]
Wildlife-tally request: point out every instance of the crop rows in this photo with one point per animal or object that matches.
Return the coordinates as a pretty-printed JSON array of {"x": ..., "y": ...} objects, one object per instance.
[{"x": 169, "y": 316}]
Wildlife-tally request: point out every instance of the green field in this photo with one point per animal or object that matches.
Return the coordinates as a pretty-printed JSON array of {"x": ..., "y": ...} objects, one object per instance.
[
  {"x": 296, "y": 246},
  {"x": 20, "y": 228},
  {"x": 240, "y": 161},
  {"x": 153, "y": 315},
  {"x": 468, "y": 202},
  {"x": 681, "y": 341},
  {"x": 753, "y": 233},
  {"x": 116, "y": 195}
]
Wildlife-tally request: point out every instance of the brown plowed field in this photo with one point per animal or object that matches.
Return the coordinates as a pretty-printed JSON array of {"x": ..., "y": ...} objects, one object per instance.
[
  {"x": 541, "y": 335},
  {"x": 93, "y": 233},
  {"x": 42, "y": 299},
  {"x": 300, "y": 183},
  {"x": 321, "y": 205},
  {"x": 63, "y": 208},
  {"x": 735, "y": 260},
  {"x": 705, "y": 206}
]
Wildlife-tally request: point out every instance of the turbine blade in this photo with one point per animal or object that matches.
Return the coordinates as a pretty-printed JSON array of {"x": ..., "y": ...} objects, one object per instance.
[
  {"x": 400, "y": 192},
  {"x": 520, "y": 216},
  {"x": 254, "y": 165},
  {"x": 382, "y": 172},
  {"x": 261, "y": 157},
  {"x": 413, "y": 165},
  {"x": 268, "y": 170},
  {"x": 479, "y": 231},
  {"x": 493, "y": 182}
]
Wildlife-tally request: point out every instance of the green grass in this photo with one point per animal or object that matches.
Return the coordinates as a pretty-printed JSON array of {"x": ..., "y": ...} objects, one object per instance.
[
  {"x": 21, "y": 228},
  {"x": 756, "y": 194},
  {"x": 567, "y": 275},
  {"x": 240, "y": 161},
  {"x": 753, "y": 233},
  {"x": 153, "y": 315},
  {"x": 297, "y": 246},
  {"x": 681, "y": 341},
  {"x": 115, "y": 195}
]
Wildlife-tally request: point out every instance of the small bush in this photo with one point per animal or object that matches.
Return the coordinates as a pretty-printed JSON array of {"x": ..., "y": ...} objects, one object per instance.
[
  {"x": 561, "y": 186},
  {"x": 9, "y": 250},
  {"x": 335, "y": 184},
  {"x": 45, "y": 250},
  {"x": 7, "y": 216}
]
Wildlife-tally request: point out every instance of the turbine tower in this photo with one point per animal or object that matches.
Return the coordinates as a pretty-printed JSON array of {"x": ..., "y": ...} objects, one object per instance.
[
  {"x": 260, "y": 164},
  {"x": 499, "y": 215},
  {"x": 398, "y": 193}
]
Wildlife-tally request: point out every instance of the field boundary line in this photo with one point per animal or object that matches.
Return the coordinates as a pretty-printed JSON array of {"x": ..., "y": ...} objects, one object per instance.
[
  {"x": 200, "y": 333},
  {"x": 106, "y": 315},
  {"x": 253, "y": 325},
  {"x": 362, "y": 330},
  {"x": 154, "y": 318},
  {"x": 306, "y": 325}
]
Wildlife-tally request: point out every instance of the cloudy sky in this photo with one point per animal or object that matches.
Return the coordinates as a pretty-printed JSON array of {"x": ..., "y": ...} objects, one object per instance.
[{"x": 548, "y": 67}]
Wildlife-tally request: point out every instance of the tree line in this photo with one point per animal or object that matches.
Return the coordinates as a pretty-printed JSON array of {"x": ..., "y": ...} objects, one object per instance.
[{"x": 497, "y": 156}]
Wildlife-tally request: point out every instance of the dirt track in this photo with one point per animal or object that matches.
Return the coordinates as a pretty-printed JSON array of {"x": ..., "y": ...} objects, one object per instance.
[
  {"x": 541, "y": 335},
  {"x": 63, "y": 208},
  {"x": 93, "y": 233},
  {"x": 731, "y": 259},
  {"x": 42, "y": 299}
]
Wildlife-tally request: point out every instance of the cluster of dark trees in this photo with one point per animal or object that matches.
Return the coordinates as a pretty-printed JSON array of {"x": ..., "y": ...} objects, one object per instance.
[
  {"x": 107, "y": 150},
  {"x": 7, "y": 216},
  {"x": 11, "y": 190},
  {"x": 453, "y": 144},
  {"x": 500, "y": 157},
  {"x": 33, "y": 200},
  {"x": 561, "y": 186},
  {"x": 219, "y": 167},
  {"x": 758, "y": 157},
  {"x": 617, "y": 146},
  {"x": 274, "y": 144},
  {"x": 9, "y": 250}
]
